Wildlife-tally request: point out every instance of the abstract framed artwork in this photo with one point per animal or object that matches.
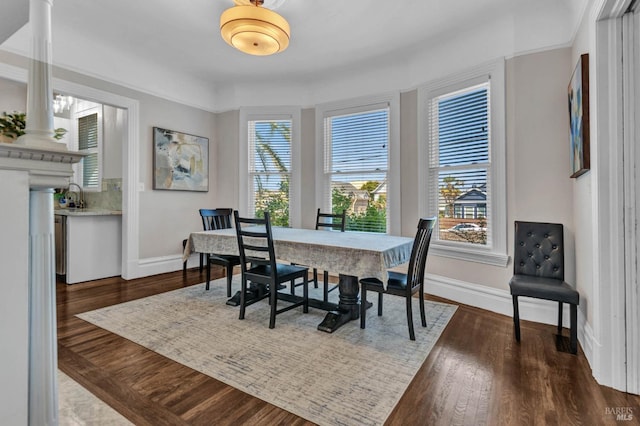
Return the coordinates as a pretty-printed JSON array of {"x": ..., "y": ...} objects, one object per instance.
[
  {"x": 579, "y": 117},
  {"x": 180, "y": 161}
]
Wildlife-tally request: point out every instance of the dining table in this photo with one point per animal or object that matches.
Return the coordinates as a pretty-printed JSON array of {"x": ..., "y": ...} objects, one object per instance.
[{"x": 349, "y": 254}]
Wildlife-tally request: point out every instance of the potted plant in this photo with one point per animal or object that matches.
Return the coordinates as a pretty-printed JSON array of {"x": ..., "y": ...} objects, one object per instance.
[{"x": 12, "y": 126}]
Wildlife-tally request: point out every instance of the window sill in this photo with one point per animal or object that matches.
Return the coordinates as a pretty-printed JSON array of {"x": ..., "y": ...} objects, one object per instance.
[{"x": 470, "y": 254}]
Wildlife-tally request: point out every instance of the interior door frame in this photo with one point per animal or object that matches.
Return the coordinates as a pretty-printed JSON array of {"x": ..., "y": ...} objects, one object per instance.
[
  {"x": 631, "y": 126},
  {"x": 130, "y": 158}
]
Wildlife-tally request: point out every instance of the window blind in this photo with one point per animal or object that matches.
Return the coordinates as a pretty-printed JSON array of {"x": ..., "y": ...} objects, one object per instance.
[
  {"x": 88, "y": 143},
  {"x": 356, "y": 164},
  {"x": 270, "y": 168},
  {"x": 459, "y": 163}
]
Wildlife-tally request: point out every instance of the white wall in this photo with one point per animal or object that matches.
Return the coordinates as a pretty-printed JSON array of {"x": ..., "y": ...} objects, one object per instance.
[
  {"x": 13, "y": 96},
  {"x": 14, "y": 303},
  {"x": 582, "y": 191},
  {"x": 114, "y": 137},
  {"x": 227, "y": 136}
]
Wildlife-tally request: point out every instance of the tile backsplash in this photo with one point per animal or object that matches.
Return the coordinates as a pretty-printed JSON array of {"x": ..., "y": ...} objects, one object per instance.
[{"x": 110, "y": 198}]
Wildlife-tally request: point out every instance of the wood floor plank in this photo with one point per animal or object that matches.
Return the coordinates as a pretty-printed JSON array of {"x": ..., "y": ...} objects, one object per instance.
[{"x": 475, "y": 375}]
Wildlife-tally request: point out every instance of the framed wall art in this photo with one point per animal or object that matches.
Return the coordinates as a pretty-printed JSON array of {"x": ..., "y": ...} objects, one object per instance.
[
  {"x": 180, "y": 161},
  {"x": 579, "y": 117}
]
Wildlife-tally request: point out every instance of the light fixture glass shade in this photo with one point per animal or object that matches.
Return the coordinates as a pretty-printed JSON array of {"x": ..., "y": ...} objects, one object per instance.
[{"x": 254, "y": 30}]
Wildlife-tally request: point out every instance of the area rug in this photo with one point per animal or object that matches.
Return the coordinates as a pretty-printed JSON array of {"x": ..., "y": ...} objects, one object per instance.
[{"x": 349, "y": 377}]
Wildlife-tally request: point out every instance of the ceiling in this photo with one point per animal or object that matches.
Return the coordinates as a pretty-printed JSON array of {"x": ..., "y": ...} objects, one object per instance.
[{"x": 174, "y": 48}]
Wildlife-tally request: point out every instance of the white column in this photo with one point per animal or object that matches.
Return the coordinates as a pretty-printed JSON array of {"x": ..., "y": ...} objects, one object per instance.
[
  {"x": 45, "y": 170},
  {"x": 39, "y": 127},
  {"x": 43, "y": 355},
  {"x": 43, "y": 360}
]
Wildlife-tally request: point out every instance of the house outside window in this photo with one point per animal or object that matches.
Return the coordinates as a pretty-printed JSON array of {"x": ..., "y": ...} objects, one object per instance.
[
  {"x": 357, "y": 157},
  {"x": 271, "y": 179},
  {"x": 462, "y": 147}
]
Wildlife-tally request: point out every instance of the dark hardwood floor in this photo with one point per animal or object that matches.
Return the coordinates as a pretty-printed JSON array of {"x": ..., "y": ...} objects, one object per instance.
[{"x": 475, "y": 375}]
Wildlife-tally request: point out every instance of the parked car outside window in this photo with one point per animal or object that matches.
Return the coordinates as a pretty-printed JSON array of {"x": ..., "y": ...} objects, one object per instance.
[{"x": 467, "y": 227}]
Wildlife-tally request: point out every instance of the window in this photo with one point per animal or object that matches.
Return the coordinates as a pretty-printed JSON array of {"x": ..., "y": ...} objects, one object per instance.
[
  {"x": 88, "y": 144},
  {"x": 357, "y": 152},
  {"x": 270, "y": 168},
  {"x": 271, "y": 158},
  {"x": 463, "y": 166},
  {"x": 459, "y": 162},
  {"x": 89, "y": 141}
]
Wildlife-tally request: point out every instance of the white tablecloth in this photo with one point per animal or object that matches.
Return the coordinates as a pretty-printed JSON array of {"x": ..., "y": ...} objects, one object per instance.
[{"x": 360, "y": 254}]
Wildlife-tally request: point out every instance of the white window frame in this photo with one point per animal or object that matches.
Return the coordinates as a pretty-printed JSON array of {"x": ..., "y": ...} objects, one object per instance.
[
  {"x": 364, "y": 104},
  {"x": 495, "y": 251},
  {"x": 246, "y": 184}
]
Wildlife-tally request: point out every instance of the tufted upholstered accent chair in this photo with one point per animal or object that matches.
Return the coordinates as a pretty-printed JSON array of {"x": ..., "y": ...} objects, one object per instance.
[{"x": 538, "y": 271}]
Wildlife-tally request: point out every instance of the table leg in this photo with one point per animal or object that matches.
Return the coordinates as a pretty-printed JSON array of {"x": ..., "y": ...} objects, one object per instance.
[{"x": 348, "y": 307}]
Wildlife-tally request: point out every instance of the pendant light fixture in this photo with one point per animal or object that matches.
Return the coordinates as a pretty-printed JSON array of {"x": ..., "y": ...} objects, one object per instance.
[{"x": 254, "y": 29}]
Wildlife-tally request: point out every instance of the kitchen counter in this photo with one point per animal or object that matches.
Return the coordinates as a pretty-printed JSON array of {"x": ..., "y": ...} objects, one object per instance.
[
  {"x": 89, "y": 244},
  {"x": 87, "y": 212}
]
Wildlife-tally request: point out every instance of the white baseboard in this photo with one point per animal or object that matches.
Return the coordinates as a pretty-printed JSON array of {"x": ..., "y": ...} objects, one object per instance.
[
  {"x": 497, "y": 300},
  {"x": 500, "y": 301},
  {"x": 160, "y": 265}
]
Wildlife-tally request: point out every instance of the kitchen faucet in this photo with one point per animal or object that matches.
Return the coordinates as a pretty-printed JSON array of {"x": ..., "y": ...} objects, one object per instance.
[{"x": 80, "y": 201}]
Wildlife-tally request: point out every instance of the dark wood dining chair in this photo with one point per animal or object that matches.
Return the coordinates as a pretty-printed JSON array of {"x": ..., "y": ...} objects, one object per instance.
[
  {"x": 538, "y": 271},
  {"x": 213, "y": 219},
  {"x": 330, "y": 221},
  {"x": 258, "y": 265},
  {"x": 336, "y": 222},
  {"x": 405, "y": 285}
]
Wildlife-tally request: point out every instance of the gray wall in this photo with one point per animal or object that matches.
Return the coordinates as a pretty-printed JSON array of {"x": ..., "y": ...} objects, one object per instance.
[{"x": 538, "y": 183}]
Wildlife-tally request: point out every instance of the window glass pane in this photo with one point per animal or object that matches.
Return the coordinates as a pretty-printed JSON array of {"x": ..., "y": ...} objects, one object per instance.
[
  {"x": 462, "y": 205},
  {"x": 357, "y": 158},
  {"x": 270, "y": 168},
  {"x": 272, "y": 195},
  {"x": 463, "y": 129},
  {"x": 88, "y": 132},
  {"x": 364, "y": 197},
  {"x": 359, "y": 142},
  {"x": 90, "y": 170}
]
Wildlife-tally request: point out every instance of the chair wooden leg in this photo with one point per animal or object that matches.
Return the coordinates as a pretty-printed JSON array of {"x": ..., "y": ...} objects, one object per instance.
[
  {"x": 574, "y": 328},
  {"x": 305, "y": 307},
  {"x": 315, "y": 278},
  {"x": 184, "y": 264},
  {"x": 208, "y": 273},
  {"x": 273, "y": 298},
  {"x": 379, "y": 304},
  {"x": 560, "y": 318},
  {"x": 412, "y": 334},
  {"x": 363, "y": 306},
  {"x": 516, "y": 318},
  {"x": 202, "y": 261},
  {"x": 423, "y": 315},
  {"x": 229, "y": 279},
  {"x": 243, "y": 292}
]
